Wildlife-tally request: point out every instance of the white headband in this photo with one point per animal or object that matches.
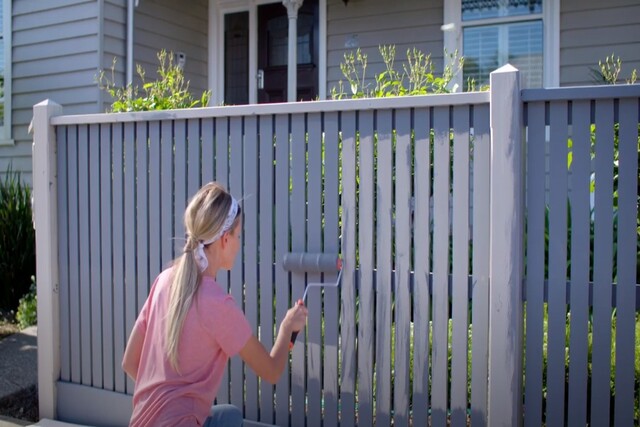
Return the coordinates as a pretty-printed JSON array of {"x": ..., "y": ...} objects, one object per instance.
[{"x": 201, "y": 258}]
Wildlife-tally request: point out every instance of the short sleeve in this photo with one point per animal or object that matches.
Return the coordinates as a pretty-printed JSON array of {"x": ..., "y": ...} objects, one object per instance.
[
  {"x": 232, "y": 329},
  {"x": 143, "y": 317}
]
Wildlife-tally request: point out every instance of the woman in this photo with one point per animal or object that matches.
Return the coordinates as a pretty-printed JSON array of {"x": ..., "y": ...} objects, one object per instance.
[{"x": 189, "y": 326}]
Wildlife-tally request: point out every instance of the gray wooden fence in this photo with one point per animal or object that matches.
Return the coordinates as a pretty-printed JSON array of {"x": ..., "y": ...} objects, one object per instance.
[{"x": 423, "y": 197}]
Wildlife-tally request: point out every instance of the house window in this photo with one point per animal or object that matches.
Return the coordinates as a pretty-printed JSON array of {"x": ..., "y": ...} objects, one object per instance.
[
  {"x": 492, "y": 33},
  {"x": 5, "y": 72}
]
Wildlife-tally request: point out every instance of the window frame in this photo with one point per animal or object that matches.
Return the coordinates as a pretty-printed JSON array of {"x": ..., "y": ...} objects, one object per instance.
[
  {"x": 453, "y": 27},
  {"x": 5, "y": 130}
]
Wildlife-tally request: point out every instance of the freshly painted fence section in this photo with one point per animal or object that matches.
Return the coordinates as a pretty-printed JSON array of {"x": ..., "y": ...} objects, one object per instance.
[{"x": 423, "y": 199}]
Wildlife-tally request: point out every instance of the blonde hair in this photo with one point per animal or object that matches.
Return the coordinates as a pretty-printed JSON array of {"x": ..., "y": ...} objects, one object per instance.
[{"x": 203, "y": 219}]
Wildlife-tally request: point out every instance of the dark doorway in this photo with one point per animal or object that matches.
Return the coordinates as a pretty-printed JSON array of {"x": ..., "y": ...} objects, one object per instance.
[
  {"x": 236, "y": 58},
  {"x": 273, "y": 32}
]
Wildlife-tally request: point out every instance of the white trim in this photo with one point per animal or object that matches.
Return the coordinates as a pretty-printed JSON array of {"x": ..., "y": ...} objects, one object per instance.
[
  {"x": 5, "y": 131},
  {"x": 217, "y": 10},
  {"x": 453, "y": 37}
]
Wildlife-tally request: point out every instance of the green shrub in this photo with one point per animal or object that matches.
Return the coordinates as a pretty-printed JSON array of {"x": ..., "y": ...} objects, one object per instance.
[
  {"x": 170, "y": 91},
  {"x": 27, "y": 314},
  {"x": 17, "y": 240}
]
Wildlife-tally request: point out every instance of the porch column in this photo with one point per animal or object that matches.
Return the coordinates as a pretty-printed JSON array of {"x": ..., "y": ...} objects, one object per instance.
[{"x": 292, "y": 63}]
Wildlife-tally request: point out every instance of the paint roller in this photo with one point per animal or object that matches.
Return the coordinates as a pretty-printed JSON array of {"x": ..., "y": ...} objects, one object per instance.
[{"x": 304, "y": 262}]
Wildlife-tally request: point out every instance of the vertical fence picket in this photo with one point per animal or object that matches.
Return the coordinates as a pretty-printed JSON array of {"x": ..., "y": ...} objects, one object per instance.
[
  {"x": 402, "y": 243},
  {"x": 194, "y": 154},
  {"x": 167, "y": 211},
  {"x": 94, "y": 213},
  {"x": 460, "y": 267},
  {"x": 106, "y": 239},
  {"x": 250, "y": 238},
  {"x": 421, "y": 263},
  {"x": 480, "y": 265},
  {"x": 180, "y": 195},
  {"x": 237, "y": 282},
  {"x": 207, "y": 157},
  {"x": 627, "y": 254},
  {"x": 441, "y": 159},
  {"x": 84, "y": 252},
  {"x": 384, "y": 212},
  {"x": 602, "y": 265},
  {"x": 557, "y": 305},
  {"x": 347, "y": 290},
  {"x": 579, "y": 292},
  {"x": 366, "y": 304},
  {"x": 119, "y": 327},
  {"x": 74, "y": 256},
  {"x": 331, "y": 245},
  {"x": 63, "y": 252},
  {"x": 153, "y": 207},
  {"x": 535, "y": 262},
  {"x": 142, "y": 215},
  {"x": 130, "y": 304},
  {"x": 298, "y": 244},
  {"x": 314, "y": 245},
  {"x": 282, "y": 247},
  {"x": 265, "y": 232}
]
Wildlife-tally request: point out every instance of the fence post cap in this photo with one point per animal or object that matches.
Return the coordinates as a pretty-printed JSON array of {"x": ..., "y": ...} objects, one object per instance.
[{"x": 506, "y": 68}]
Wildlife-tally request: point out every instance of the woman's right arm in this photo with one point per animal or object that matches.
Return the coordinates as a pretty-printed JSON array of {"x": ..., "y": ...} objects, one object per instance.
[{"x": 270, "y": 366}]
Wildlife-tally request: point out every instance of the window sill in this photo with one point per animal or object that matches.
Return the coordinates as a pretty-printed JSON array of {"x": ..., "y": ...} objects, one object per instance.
[{"x": 6, "y": 142}]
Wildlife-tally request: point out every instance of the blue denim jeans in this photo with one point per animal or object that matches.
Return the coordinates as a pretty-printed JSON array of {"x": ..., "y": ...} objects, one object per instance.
[{"x": 224, "y": 416}]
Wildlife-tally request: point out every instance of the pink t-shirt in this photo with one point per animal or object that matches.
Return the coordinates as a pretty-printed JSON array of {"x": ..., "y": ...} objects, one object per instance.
[{"x": 214, "y": 330}]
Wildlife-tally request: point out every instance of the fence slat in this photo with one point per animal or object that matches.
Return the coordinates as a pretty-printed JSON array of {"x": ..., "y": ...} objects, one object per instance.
[
  {"x": 298, "y": 244},
  {"x": 626, "y": 261},
  {"x": 119, "y": 327},
  {"x": 557, "y": 305},
  {"x": 314, "y": 245},
  {"x": 602, "y": 265},
  {"x": 348, "y": 306},
  {"x": 222, "y": 177},
  {"x": 84, "y": 259},
  {"x": 74, "y": 256},
  {"x": 384, "y": 211},
  {"x": 63, "y": 252},
  {"x": 422, "y": 263},
  {"x": 166, "y": 196},
  {"x": 180, "y": 195},
  {"x": 94, "y": 212},
  {"x": 266, "y": 186},
  {"x": 439, "y": 374},
  {"x": 535, "y": 263},
  {"x": 480, "y": 266},
  {"x": 282, "y": 246},
  {"x": 402, "y": 240},
  {"x": 207, "y": 157},
  {"x": 154, "y": 207},
  {"x": 237, "y": 282},
  {"x": 331, "y": 245},
  {"x": 250, "y": 250},
  {"x": 106, "y": 238},
  {"x": 130, "y": 303},
  {"x": 194, "y": 156},
  {"x": 366, "y": 305},
  {"x": 460, "y": 267},
  {"x": 579, "y": 198},
  {"x": 143, "y": 284}
]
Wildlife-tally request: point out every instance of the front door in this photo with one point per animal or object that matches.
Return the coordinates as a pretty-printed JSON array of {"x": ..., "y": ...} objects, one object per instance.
[{"x": 273, "y": 33}]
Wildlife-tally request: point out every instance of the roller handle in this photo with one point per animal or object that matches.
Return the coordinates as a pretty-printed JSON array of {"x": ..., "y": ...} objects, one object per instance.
[{"x": 294, "y": 334}]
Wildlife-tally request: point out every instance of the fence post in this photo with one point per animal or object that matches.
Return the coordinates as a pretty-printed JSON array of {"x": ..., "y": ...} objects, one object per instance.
[
  {"x": 45, "y": 214},
  {"x": 506, "y": 250}
]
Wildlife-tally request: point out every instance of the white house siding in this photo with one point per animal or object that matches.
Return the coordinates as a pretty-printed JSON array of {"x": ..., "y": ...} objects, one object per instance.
[
  {"x": 55, "y": 45},
  {"x": 174, "y": 26},
  {"x": 371, "y": 23},
  {"x": 591, "y": 30}
]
